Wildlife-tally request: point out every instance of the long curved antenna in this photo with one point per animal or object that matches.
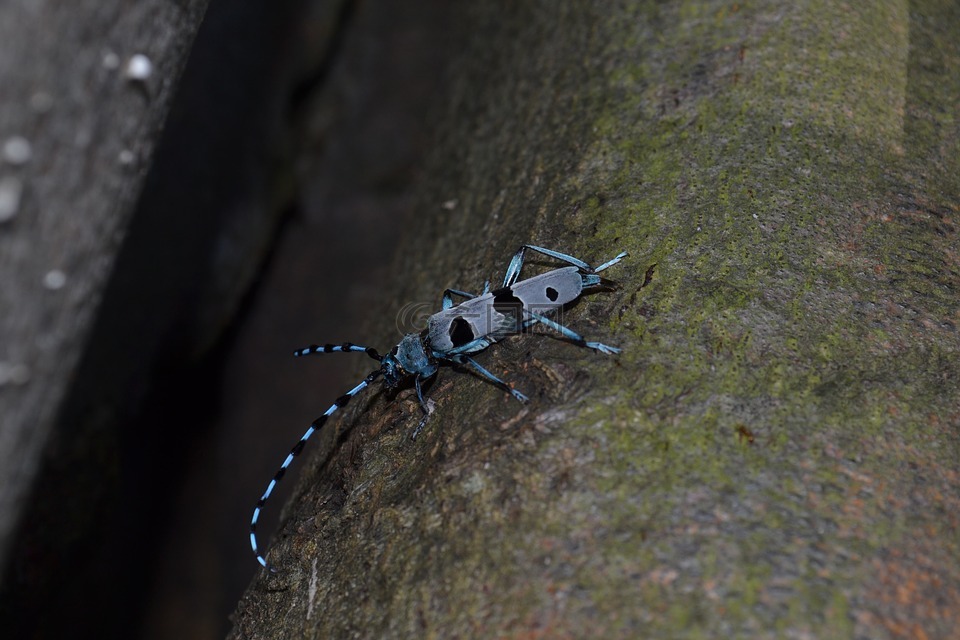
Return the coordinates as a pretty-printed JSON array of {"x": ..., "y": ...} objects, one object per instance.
[
  {"x": 314, "y": 426},
  {"x": 342, "y": 348}
]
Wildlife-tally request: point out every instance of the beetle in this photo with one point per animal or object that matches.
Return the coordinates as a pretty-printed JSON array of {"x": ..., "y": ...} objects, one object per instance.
[{"x": 456, "y": 332}]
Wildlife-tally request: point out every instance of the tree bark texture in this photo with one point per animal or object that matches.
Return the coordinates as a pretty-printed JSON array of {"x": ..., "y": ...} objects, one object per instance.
[
  {"x": 84, "y": 90},
  {"x": 776, "y": 451}
]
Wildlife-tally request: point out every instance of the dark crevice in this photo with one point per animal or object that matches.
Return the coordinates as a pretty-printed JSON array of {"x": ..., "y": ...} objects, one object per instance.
[{"x": 310, "y": 83}]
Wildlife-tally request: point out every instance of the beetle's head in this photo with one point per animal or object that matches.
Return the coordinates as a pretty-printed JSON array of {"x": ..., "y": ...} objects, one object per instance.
[{"x": 391, "y": 369}]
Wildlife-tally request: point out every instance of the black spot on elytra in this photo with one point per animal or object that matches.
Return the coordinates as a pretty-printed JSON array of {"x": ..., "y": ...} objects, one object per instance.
[
  {"x": 460, "y": 332},
  {"x": 552, "y": 294},
  {"x": 508, "y": 304}
]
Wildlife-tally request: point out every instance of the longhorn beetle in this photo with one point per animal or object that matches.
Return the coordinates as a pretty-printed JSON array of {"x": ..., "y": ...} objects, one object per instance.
[{"x": 457, "y": 331}]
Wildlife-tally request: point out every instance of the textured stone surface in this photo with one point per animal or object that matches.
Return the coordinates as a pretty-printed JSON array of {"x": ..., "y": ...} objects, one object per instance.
[
  {"x": 87, "y": 85},
  {"x": 776, "y": 452}
]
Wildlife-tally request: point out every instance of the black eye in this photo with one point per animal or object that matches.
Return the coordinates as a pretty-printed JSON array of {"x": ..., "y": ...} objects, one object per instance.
[
  {"x": 460, "y": 332},
  {"x": 552, "y": 294}
]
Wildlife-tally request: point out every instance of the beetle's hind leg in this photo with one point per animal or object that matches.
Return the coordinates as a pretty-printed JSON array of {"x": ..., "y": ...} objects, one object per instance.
[{"x": 573, "y": 336}]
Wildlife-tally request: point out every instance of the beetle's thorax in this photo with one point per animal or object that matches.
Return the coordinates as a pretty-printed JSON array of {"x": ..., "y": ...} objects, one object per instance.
[{"x": 410, "y": 357}]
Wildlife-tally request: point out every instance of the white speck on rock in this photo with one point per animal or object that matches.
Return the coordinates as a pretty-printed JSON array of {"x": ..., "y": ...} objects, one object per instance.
[
  {"x": 139, "y": 68},
  {"x": 11, "y": 188},
  {"x": 312, "y": 589},
  {"x": 110, "y": 60},
  {"x": 11, "y": 373},
  {"x": 54, "y": 279},
  {"x": 17, "y": 150},
  {"x": 475, "y": 483}
]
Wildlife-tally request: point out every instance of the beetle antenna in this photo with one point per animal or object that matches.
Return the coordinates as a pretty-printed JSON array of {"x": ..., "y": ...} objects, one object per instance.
[
  {"x": 297, "y": 449},
  {"x": 338, "y": 348}
]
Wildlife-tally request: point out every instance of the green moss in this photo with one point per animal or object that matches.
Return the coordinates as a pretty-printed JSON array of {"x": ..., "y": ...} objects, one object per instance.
[
  {"x": 729, "y": 237},
  {"x": 767, "y": 158}
]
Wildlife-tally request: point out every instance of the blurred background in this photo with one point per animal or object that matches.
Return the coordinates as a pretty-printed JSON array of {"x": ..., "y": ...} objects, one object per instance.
[{"x": 268, "y": 216}]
